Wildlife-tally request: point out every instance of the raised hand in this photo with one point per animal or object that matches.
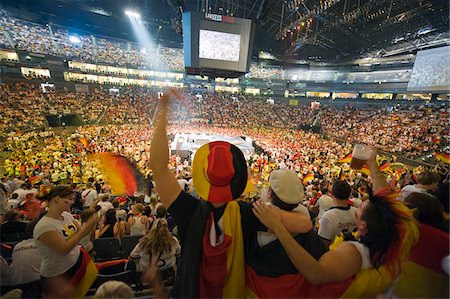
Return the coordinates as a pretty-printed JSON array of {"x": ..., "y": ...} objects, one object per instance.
[{"x": 267, "y": 215}]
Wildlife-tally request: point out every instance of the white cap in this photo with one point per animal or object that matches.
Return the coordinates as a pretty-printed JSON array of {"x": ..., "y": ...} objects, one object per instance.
[{"x": 287, "y": 186}]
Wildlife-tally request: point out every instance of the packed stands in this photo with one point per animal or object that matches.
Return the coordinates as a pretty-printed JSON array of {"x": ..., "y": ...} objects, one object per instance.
[{"x": 41, "y": 39}]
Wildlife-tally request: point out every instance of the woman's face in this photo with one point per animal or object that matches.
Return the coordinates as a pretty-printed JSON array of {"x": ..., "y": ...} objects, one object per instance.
[{"x": 65, "y": 202}]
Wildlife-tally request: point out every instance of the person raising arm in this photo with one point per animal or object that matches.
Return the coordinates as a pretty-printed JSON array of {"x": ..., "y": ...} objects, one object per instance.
[{"x": 385, "y": 227}]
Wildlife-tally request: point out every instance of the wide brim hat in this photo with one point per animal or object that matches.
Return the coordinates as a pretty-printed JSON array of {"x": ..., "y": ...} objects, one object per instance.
[{"x": 219, "y": 172}]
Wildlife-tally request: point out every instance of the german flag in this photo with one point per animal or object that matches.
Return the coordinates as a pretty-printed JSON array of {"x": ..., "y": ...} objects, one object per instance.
[
  {"x": 84, "y": 276},
  {"x": 436, "y": 139},
  {"x": 84, "y": 141},
  {"x": 443, "y": 157},
  {"x": 422, "y": 275},
  {"x": 385, "y": 167},
  {"x": 365, "y": 170},
  {"x": 222, "y": 265},
  {"x": 365, "y": 284},
  {"x": 123, "y": 176},
  {"x": 308, "y": 178},
  {"x": 34, "y": 180},
  {"x": 346, "y": 159}
]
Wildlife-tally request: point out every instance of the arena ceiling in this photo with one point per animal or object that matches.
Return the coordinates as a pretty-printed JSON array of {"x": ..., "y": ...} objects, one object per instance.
[{"x": 320, "y": 30}]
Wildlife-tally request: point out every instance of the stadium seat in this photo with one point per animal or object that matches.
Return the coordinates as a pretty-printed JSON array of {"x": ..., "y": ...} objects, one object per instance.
[
  {"x": 107, "y": 249},
  {"x": 128, "y": 243},
  {"x": 15, "y": 237}
]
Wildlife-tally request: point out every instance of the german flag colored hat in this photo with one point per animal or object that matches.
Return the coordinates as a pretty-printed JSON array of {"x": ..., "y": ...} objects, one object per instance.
[{"x": 219, "y": 172}]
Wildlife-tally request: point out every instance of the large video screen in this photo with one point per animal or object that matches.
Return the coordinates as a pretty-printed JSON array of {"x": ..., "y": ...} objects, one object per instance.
[
  {"x": 229, "y": 45},
  {"x": 216, "y": 45},
  {"x": 430, "y": 71}
]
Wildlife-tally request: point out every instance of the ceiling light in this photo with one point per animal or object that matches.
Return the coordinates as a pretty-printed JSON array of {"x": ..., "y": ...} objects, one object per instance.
[
  {"x": 131, "y": 13},
  {"x": 74, "y": 39}
]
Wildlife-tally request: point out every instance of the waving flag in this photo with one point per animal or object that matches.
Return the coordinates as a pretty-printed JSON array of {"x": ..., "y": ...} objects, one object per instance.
[
  {"x": 84, "y": 141},
  {"x": 443, "y": 157},
  {"x": 385, "y": 167},
  {"x": 365, "y": 170},
  {"x": 346, "y": 159},
  {"x": 308, "y": 178},
  {"x": 120, "y": 174}
]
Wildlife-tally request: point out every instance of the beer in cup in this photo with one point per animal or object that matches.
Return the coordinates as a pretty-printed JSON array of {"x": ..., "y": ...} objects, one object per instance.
[{"x": 361, "y": 154}]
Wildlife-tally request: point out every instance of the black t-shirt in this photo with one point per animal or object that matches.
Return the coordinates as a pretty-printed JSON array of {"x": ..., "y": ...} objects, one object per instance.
[{"x": 185, "y": 204}]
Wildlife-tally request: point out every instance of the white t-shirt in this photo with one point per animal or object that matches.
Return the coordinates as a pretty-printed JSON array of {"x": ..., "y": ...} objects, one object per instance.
[
  {"x": 166, "y": 261},
  {"x": 356, "y": 202},
  {"x": 89, "y": 196},
  {"x": 324, "y": 203},
  {"x": 53, "y": 263},
  {"x": 335, "y": 221},
  {"x": 183, "y": 183},
  {"x": 365, "y": 254},
  {"x": 105, "y": 205},
  {"x": 139, "y": 227},
  {"x": 26, "y": 262},
  {"x": 154, "y": 208},
  {"x": 407, "y": 190}
]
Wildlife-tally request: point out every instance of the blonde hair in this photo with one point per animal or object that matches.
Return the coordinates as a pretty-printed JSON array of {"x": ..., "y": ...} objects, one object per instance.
[
  {"x": 114, "y": 289},
  {"x": 159, "y": 239},
  {"x": 138, "y": 208}
]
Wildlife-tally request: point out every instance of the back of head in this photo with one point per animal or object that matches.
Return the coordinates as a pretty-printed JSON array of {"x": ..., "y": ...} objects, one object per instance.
[
  {"x": 122, "y": 215},
  {"x": 114, "y": 289},
  {"x": 147, "y": 211},
  {"x": 426, "y": 209},
  {"x": 341, "y": 190},
  {"x": 139, "y": 208},
  {"x": 115, "y": 203},
  {"x": 428, "y": 178},
  {"x": 104, "y": 197},
  {"x": 153, "y": 199},
  {"x": 110, "y": 216},
  {"x": 287, "y": 189},
  {"x": 161, "y": 212},
  {"x": 391, "y": 231},
  {"x": 61, "y": 191}
]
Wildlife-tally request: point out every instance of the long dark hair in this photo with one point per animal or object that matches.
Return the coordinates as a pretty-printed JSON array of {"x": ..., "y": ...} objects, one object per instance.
[
  {"x": 391, "y": 231},
  {"x": 110, "y": 217}
]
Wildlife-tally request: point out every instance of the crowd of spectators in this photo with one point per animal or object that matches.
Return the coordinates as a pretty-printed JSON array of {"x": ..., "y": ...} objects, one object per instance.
[
  {"x": 40, "y": 39},
  {"x": 413, "y": 132},
  {"x": 45, "y": 158},
  {"x": 260, "y": 71},
  {"x": 22, "y": 108},
  {"x": 88, "y": 105}
]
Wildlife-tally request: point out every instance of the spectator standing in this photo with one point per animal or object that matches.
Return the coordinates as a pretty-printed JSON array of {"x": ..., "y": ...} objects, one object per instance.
[
  {"x": 340, "y": 218},
  {"x": 428, "y": 182},
  {"x": 57, "y": 235},
  {"x": 89, "y": 195}
]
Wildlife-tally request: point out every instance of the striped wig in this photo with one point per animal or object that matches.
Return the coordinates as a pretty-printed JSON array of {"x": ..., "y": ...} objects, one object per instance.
[{"x": 392, "y": 231}]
